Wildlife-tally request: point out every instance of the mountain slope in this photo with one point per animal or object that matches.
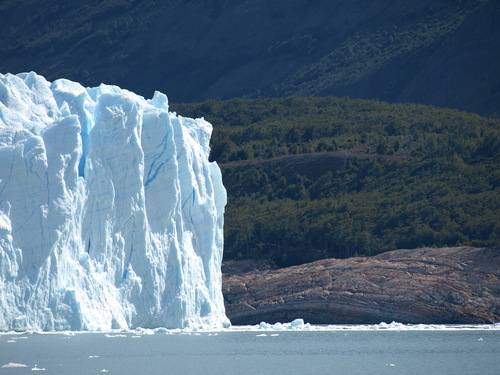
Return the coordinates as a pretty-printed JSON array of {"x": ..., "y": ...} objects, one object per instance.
[
  {"x": 443, "y": 52},
  {"x": 315, "y": 178}
]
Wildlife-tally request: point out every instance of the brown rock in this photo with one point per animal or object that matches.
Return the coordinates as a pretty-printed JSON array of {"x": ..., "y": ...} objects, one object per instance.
[{"x": 429, "y": 285}]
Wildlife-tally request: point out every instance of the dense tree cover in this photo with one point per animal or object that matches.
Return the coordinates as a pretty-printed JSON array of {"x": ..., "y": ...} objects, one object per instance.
[
  {"x": 366, "y": 177},
  {"x": 263, "y": 128},
  {"x": 440, "y": 52}
]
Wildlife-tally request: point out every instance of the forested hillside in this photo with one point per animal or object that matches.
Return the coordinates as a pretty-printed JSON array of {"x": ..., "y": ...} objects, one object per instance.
[
  {"x": 439, "y": 52},
  {"x": 326, "y": 177}
]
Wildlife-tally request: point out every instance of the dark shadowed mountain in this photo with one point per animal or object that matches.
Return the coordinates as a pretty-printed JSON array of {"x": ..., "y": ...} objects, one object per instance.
[{"x": 439, "y": 52}]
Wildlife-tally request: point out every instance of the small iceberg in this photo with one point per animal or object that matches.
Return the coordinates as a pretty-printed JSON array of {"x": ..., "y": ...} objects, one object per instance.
[
  {"x": 297, "y": 324},
  {"x": 14, "y": 365}
]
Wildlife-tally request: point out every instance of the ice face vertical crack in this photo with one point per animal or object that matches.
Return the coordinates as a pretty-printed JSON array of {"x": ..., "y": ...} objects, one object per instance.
[{"x": 119, "y": 247}]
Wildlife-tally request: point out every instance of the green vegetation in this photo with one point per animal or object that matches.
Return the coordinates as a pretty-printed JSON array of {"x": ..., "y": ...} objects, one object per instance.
[
  {"x": 368, "y": 50},
  {"x": 377, "y": 176},
  {"x": 444, "y": 53},
  {"x": 102, "y": 31}
]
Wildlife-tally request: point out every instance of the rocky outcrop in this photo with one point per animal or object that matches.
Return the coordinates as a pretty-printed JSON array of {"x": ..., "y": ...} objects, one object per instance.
[{"x": 429, "y": 285}]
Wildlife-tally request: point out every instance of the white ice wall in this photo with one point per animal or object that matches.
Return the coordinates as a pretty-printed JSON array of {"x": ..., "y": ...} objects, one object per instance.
[{"x": 110, "y": 213}]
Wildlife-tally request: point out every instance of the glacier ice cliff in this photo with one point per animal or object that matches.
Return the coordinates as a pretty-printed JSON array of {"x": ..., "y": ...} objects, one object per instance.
[{"x": 111, "y": 214}]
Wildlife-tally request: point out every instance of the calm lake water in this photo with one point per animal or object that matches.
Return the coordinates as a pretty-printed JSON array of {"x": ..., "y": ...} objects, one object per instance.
[{"x": 332, "y": 351}]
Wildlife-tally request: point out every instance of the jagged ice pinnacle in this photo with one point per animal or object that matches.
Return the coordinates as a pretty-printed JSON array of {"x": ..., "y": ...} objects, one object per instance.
[{"x": 110, "y": 213}]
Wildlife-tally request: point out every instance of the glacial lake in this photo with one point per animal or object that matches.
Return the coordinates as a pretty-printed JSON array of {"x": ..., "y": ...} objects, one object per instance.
[{"x": 247, "y": 350}]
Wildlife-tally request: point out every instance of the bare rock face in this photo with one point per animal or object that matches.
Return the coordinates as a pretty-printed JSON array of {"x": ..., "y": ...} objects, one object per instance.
[{"x": 429, "y": 285}]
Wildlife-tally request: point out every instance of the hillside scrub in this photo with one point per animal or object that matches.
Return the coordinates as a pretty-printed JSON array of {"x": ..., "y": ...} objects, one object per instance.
[
  {"x": 342, "y": 194},
  {"x": 438, "y": 52}
]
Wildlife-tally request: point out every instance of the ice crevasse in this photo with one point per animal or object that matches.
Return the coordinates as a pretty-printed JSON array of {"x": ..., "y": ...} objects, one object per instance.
[{"x": 111, "y": 215}]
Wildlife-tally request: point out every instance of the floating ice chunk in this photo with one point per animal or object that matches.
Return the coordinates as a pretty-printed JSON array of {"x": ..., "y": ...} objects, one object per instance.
[
  {"x": 161, "y": 329},
  {"x": 393, "y": 325},
  {"x": 297, "y": 324},
  {"x": 14, "y": 365},
  {"x": 36, "y": 368},
  {"x": 143, "y": 331}
]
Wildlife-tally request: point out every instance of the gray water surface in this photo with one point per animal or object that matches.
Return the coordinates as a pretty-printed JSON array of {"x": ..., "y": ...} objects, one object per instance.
[{"x": 235, "y": 352}]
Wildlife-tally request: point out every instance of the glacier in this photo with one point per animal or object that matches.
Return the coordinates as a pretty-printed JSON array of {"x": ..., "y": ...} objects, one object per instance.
[{"x": 111, "y": 215}]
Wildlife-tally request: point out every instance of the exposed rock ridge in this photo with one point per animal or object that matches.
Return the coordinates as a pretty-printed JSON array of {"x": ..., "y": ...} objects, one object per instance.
[{"x": 428, "y": 285}]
